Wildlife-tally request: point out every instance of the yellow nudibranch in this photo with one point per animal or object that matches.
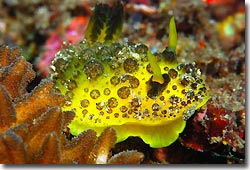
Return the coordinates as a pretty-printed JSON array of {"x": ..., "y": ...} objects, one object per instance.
[{"x": 126, "y": 87}]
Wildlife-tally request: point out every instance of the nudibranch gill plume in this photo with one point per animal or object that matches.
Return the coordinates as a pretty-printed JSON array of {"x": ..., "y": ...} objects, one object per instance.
[{"x": 126, "y": 87}]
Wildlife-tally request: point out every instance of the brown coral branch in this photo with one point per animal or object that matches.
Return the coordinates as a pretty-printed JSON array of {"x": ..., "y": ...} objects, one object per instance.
[
  {"x": 7, "y": 110},
  {"x": 130, "y": 157},
  {"x": 100, "y": 152},
  {"x": 38, "y": 102},
  {"x": 79, "y": 148},
  {"x": 14, "y": 149},
  {"x": 50, "y": 121},
  {"x": 16, "y": 77},
  {"x": 8, "y": 55},
  {"x": 50, "y": 150}
]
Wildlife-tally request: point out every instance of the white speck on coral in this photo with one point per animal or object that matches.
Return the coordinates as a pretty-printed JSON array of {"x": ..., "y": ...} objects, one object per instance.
[{"x": 101, "y": 158}]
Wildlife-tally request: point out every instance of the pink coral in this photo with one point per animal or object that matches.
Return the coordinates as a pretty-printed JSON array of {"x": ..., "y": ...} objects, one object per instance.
[{"x": 74, "y": 32}]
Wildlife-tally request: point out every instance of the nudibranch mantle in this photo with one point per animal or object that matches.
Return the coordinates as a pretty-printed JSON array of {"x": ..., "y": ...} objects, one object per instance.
[{"x": 112, "y": 85}]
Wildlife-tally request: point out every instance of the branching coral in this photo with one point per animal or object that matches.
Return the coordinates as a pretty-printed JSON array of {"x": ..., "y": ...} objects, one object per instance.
[{"x": 33, "y": 127}]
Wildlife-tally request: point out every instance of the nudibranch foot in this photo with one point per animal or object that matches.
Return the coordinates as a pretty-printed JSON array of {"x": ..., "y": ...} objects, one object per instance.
[{"x": 156, "y": 136}]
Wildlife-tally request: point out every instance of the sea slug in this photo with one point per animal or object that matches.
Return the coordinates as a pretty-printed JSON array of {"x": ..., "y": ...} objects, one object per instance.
[{"x": 126, "y": 87}]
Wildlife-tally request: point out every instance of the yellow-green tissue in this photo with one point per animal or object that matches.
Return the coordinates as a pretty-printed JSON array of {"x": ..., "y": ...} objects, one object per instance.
[{"x": 126, "y": 87}]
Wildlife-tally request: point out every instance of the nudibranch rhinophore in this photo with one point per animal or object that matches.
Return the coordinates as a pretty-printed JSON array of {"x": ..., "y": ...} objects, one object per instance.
[{"x": 126, "y": 87}]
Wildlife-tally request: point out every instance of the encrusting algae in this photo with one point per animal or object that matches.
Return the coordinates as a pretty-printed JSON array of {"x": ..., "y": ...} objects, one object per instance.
[{"x": 126, "y": 87}]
